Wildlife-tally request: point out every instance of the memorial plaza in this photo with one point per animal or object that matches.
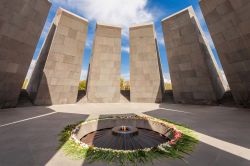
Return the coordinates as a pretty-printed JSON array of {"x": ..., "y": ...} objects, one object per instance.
[{"x": 115, "y": 82}]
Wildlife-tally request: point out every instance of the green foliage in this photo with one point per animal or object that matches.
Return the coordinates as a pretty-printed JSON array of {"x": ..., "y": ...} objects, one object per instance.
[
  {"x": 121, "y": 83},
  {"x": 73, "y": 150},
  {"x": 168, "y": 86},
  {"x": 25, "y": 84},
  {"x": 187, "y": 142},
  {"x": 182, "y": 147},
  {"x": 82, "y": 85},
  {"x": 124, "y": 85},
  {"x": 65, "y": 134}
]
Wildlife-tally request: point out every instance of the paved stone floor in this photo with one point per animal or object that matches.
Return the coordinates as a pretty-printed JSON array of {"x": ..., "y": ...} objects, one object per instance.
[{"x": 29, "y": 135}]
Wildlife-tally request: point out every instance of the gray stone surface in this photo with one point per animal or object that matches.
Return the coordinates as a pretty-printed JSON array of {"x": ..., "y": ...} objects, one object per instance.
[
  {"x": 103, "y": 84},
  {"x": 194, "y": 73},
  {"x": 56, "y": 77},
  {"x": 146, "y": 79},
  {"x": 21, "y": 23},
  {"x": 34, "y": 141},
  {"x": 229, "y": 25}
]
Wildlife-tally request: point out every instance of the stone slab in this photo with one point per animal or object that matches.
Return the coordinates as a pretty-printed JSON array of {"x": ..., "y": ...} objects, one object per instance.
[
  {"x": 194, "y": 73},
  {"x": 56, "y": 77},
  {"x": 103, "y": 85},
  {"x": 21, "y": 24},
  {"x": 146, "y": 79},
  {"x": 229, "y": 24}
]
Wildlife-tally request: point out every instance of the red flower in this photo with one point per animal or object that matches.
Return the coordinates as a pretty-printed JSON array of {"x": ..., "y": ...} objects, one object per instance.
[
  {"x": 172, "y": 142},
  {"x": 177, "y": 135}
]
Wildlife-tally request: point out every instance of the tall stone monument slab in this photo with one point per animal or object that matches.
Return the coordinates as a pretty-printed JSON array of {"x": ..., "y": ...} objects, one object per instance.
[
  {"x": 56, "y": 76},
  {"x": 103, "y": 85},
  {"x": 229, "y": 25},
  {"x": 146, "y": 79},
  {"x": 194, "y": 73},
  {"x": 21, "y": 24}
]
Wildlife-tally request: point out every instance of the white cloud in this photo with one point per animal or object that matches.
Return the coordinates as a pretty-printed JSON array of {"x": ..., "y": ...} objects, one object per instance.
[
  {"x": 166, "y": 77},
  {"x": 46, "y": 29},
  {"x": 125, "y": 49},
  {"x": 224, "y": 80},
  {"x": 84, "y": 74},
  {"x": 125, "y": 76},
  {"x": 89, "y": 43},
  {"x": 31, "y": 69},
  {"x": 204, "y": 27},
  {"x": 160, "y": 39},
  {"x": 122, "y": 13},
  {"x": 209, "y": 39}
]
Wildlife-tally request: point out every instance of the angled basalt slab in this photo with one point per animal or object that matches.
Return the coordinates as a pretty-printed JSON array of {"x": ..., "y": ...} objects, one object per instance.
[
  {"x": 195, "y": 76},
  {"x": 146, "y": 80},
  {"x": 229, "y": 24},
  {"x": 56, "y": 76},
  {"x": 103, "y": 85},
  {"x": 21, "y": 24}
]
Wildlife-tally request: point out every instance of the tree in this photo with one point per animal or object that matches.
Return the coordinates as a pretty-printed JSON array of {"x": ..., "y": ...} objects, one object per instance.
[
  {"x": 122, "y": 83},
  {"x": 82, "y": 85},
  {"x": 126, "y": 85},
  {"x": 168, "y": 86},
  {"x": 25, "y": 84}
]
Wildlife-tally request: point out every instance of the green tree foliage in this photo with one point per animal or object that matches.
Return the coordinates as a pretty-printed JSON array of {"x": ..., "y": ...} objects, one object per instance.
[
  {"x": 25, "y": 84},
  {"x": 124, "y": 85},
  {"x": 168, "y": 86},
  {"x": 82, "y": 85},
  {"x": 121, "y": 83}
]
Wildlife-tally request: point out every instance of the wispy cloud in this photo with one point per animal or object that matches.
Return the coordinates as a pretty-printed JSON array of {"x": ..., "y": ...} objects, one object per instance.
[
  {"x": 84, "y": 74},
  {"x": 46, "y": 29},
  {"x": 209, "y": 39},
  {"x": 224, "y": 80},
  {"x": 125, "y": 76},
  {"x": 43, "y": 36},
  {"x": 166, "y": 77},
  {"x": 125, "y": 49},
  {"x": 204, "y": 27},
  {"x": 31, "y": 69},
  {"x": 160, "y": 39},
  {"x": 122, "y": 13},
  {"x": 89, "y": 42}
]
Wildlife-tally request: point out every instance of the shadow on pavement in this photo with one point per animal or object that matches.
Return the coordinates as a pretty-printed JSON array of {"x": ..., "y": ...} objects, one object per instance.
[
  {"x": 229, "y": 125},
  {"x": 35, "y": 141}
]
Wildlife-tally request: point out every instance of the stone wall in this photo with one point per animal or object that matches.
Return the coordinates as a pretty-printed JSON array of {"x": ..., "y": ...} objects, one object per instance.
[
  {"x": 104, "y": 73},
  {"x": 194, "y": 73},
  {"x": 229, "y": 25},
  {"x": 56, "y": 77},
  {"x": 146, "y": 80},
  {"x": 21, "y": 24}
]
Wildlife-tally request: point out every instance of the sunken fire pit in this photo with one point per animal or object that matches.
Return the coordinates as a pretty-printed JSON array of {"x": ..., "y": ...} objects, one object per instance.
[
  {"x": 125, "y": 133},
  {"x": 126, "y": 139}
]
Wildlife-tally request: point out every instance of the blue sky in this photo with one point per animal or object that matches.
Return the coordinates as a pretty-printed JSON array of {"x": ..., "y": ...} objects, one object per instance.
[{"x": 123, "y": 13}]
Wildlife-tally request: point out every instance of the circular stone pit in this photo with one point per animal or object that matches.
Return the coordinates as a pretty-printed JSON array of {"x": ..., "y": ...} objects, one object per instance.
[{"x": 124, "y": 133}]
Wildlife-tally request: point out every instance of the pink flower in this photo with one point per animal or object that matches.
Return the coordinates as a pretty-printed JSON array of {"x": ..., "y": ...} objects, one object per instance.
[
  {"x": 172, "y": 142},
  {"x": 177, "y": 135}
]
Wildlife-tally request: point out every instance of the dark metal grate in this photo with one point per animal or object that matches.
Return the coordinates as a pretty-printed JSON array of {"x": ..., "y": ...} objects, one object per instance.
[{"x": 105, "y": 139}]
